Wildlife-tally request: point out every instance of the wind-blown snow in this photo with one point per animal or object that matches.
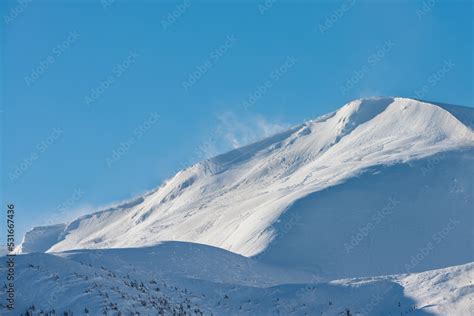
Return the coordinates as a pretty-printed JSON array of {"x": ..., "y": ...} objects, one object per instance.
[
  {"x": 237, "y": 201},
  {"x": 383, "y": 186}
]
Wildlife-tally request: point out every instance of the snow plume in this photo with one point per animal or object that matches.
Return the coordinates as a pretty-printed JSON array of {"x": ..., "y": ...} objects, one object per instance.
[
  {"x": 232, "y": 130},
  {"x": 229, "y": 131},
  {"x": 237, "y": 131}
]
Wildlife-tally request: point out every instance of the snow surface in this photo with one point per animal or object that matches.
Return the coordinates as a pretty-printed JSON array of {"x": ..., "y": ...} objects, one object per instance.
[
  {"x": 40, "y": 238},
  {"x": 390, "y": 219},
  {"x": 382, "y": 186},
  {"x": 126, "y": 280}
]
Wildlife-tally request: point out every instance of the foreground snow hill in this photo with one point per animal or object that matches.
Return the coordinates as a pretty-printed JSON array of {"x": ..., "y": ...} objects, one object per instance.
[
  {"x": 174, "y": 278},
  {"x": 385, "y": 184}
]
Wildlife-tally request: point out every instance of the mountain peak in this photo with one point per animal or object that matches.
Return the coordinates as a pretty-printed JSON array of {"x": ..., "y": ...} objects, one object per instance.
[{"x": 240, "y": 201}]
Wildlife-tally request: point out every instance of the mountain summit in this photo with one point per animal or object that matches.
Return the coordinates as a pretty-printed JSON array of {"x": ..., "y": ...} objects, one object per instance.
[{"x": 380, "y": 186}]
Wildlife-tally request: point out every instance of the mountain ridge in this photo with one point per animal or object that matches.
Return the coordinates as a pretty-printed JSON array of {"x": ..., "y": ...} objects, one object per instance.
[{"x": 234, "y": 200}]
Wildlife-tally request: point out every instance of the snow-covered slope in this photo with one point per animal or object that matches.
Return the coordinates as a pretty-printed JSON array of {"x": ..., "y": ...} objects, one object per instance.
[
  {"x": 400, "y": 218},
  {"x": 188, "y": 260},
  {"x": 297, "y": 192},
  {"x": 148, "y": 281},
  {"x": 41, "y": 238}
]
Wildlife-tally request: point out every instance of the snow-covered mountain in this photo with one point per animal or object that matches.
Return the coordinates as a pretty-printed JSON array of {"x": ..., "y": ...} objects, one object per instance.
[
  {"x": 305, "y": 222},
  {"x": 373, "y": 184}
]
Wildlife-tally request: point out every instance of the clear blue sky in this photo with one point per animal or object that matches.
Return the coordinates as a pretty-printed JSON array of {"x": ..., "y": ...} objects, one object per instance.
[{"x": 79, "y": 79}]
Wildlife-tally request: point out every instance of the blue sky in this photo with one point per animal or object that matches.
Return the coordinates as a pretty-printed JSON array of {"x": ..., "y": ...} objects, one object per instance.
[{"x": 102, "y": 100}]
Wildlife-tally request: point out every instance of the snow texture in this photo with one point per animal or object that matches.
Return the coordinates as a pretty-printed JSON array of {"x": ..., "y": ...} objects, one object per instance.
[{"x": 382, "y": 186}]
